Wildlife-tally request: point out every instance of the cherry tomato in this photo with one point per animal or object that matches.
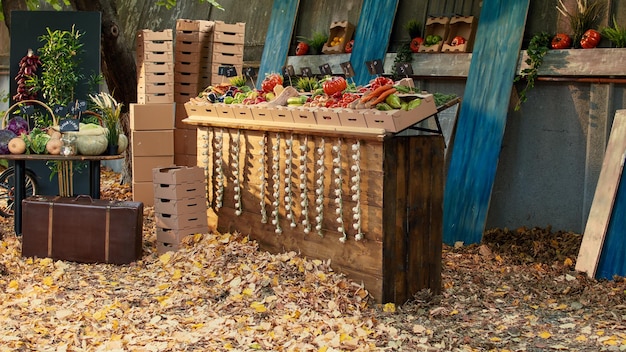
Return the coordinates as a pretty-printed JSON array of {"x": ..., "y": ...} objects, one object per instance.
[
  {"x": 561, "y": 41},
  {"x": 270, "y": 81}
]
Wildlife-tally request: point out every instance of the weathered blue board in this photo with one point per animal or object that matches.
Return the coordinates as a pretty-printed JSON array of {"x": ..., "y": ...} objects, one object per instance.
[
  {"x": 371, "y": 36},
  {"x": 278, "y": 37},
  {"x": 613, "y": 258},
  {"x": 482, "y": 119}
]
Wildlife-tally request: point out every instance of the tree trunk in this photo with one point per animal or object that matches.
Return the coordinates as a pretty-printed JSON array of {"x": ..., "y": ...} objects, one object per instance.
[
  {"x": 118, "y": 65},
  {"x": 11, "y": 5}
]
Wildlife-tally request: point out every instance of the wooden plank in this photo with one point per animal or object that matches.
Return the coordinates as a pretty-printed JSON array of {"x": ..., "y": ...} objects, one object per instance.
[
  {"x": 602, "y": 206},
  {"x": 482, "y": 119},
  {"x": 371, "y": 37},
  {"x": 576, "y": 62},
  {"x": 394, "y": 198},
  {"x": 278, "y": 37}
]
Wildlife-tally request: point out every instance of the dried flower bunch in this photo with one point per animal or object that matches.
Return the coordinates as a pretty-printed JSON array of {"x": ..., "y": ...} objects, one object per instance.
[{"x": 586, "y": 16}]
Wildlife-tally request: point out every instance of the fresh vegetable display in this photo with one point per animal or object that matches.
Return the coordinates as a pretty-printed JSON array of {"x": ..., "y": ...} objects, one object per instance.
[
  {"x": 270, "y": 81},
  {"x": 335, "y": 84},
  {"x": 432, "y": 40},
  {"x": 561, "y": 41},
  {"x": 590, "y": 39}
]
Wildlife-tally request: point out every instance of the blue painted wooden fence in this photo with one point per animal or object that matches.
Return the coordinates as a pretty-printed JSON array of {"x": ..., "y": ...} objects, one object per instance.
[
  {"x": 371, "y": 37},
  {"x": 613, "y": 258},
  {"x": 278, "y": 37},
  {"x": 482, "y": 119}
]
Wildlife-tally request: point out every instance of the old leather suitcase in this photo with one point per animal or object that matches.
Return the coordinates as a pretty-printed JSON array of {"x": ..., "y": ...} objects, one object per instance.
[{"x": 82, "y": 229}]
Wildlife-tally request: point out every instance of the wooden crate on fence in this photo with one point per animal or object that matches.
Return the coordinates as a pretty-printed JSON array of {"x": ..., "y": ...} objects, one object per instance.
[{"x": 389, "y": 202}]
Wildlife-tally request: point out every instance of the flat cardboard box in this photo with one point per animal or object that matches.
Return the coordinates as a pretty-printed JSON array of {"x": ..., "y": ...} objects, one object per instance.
[
  {"x": 435, "y": 26},
  {"x": 181, "y": 191},
  {"x": 228, "y": 37},
  {"x": 158, "y": 56},
  {"x": 189, "y": 160},
  {"x": 463, "y": 26},
  {"x": 204, "y": 38},
  {"x": 153, "y": 143},
  {"x": 182, "y": 221},
  {"x": 155, "y": 98},
  {"x": 282, "y": 114},
  {"x": 155, "y": 88},
  {"x": 155, "y": 77},
  {"x": 225, "y": 110},
  {"x": 227, "y": 58},
  {"x": 327, "y": 116},
  {"x": 352, "y": 118},
  {"x": 175, "y": 175},
  {"x": 166, "y": 46},
  {"x": 150, "y": 117},
  {"x": 207, "y": 109},
  {"x": 398, "y": 120},
  {"x": 149, "y": 35},
  {"x": 242, "y": 112},
  {"x": 185, "y": 140},
  {"x": 143, "y": 166},
  {"x": 304, "y": 115},
  {"x": 173, "y": 237},
  {"x": 143, "y": 192},
  {"x": 229, "y": 48},
  {"x": 238, "y": 27},
  {"x": 163, "y": 247},
  {"x": 261, "y": 113},
  {"x": 194, "y": 25},
  {"x": 156, "y": 67},
  {"x": 180, "y": 206}
]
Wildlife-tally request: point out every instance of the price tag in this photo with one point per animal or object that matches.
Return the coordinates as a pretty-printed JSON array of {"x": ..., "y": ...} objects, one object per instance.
[
  {"x": 347, "y": 68},
  {"x": 375, "y": 67},
  {"x": 27, "y": 110},
  {"x": 306, "y": 72},
  {"x": 404, "y": 68},
  {"x": 228, "y": 71},
  {"x": 59, "y": 110},
  {"x": 249, "y": 72},
  {"x": 78, "y": 107},
  {"x": 288, "y": 71},
  {"x": 69, "y": 125},
  {"x": 325, "y": 70}
]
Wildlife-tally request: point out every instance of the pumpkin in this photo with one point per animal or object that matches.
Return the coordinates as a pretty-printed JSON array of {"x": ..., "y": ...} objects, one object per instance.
[
  {"x": 91, "y": 139},
  {"x": 122, "y": 143},
  {"x": 415, "y": 44},
  {"x": 17, "y": 145}
]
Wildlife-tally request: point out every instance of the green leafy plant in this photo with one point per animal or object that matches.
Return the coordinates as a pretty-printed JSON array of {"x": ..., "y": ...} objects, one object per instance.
[
  {"x": 584, "y": 17},
  {"x": 537, "y": 49},
  {"x": 316, "y": 42},
  {"x": 403, "y": 55},
  {"x": 413, "y": 28},
  {"x": 616, "y": 34},
  {"x": 111, "y": 111}
]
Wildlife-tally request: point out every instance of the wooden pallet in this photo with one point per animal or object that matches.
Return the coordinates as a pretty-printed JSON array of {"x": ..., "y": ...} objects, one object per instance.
[{"x": 482, "y": 119}]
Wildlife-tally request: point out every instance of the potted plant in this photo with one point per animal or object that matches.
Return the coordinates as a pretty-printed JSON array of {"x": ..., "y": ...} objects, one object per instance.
[
  {"x": 414, "y": 29},
  {"x": 315, "y": 43},
  {"x": 110, "y": 111}
]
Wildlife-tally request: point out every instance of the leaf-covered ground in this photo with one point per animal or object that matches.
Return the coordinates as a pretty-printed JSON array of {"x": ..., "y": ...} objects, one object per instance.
[{"x": 517, "y": 291}]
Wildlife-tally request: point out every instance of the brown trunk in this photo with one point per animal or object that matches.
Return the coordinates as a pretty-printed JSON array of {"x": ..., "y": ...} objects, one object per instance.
[
  {"x": 118, "y": 65},
  {"x": 11, "y": 5}
]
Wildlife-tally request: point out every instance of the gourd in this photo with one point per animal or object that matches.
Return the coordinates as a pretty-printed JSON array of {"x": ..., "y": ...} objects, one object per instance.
[
  {"x": 91, "y": 139},
  {"x": 122, "y": 143}
]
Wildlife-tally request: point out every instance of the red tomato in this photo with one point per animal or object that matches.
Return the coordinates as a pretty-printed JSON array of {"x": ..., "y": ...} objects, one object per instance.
[
  {"x": 270, "y": 81},
  {"x": 415, "y": 44},
  {"x": 458, "y": 40},
  {"x": 591, "y": 39},
  {"x": 349, "y": 46},
  {"x": 561, "y": 41},
  {"x": 302, "y": 48},
  {"x": 334, "y": 85}
]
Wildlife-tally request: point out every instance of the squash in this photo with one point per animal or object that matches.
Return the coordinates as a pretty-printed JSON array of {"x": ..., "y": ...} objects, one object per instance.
[
  {"x": 91, "y": 139},
  {"x": 17, "y": 145},
  {"x": 122, "y": 143},
  {"x": 53, "y": 147}
]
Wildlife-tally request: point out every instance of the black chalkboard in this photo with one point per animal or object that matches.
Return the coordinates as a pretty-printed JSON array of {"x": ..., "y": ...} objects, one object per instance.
[
  {"x": 375, "y": 67},
  {"x": 69, "y": 125}
]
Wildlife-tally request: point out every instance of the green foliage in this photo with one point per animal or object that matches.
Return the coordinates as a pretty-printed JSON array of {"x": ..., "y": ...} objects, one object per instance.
[
  {"x": 316, "y": 42},
  {"x": 585, "y": 16},
  {"x": 169, "y": 4},
  {"x": 33, "y": 5},
  {"x": 403, "y": 54},
  {"x": 616, "y": 34},
  {"x": 537, "y": 49},
  {"x": 413, "y": 28}
]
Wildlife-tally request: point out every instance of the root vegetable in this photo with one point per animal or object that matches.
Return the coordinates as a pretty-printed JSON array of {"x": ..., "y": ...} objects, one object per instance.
[
  {"x": 17, "y": 146},
  {"x": 53, "y": 147}
]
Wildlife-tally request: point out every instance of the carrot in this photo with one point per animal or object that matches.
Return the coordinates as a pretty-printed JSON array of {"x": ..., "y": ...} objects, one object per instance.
[
  {"x": 376, "y": 92},
  {"x": 382, "y": 96}
]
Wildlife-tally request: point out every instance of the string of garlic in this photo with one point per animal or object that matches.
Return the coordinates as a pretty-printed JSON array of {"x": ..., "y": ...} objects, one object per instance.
[
  {"x": 356, "y": 190},
  {"x": 219, "y": 170},
  {"x": 236, "y": 184},
  {"x": 288, "y": 173},
  {"x": 263, "y": 178},
  {"x": 276, "y": 183},
  {"x": 304, "y": 196},
  {"x": 204, "y": 147},
  {"x": 319, "y": 190},
  {"x": 338, "y": 190}
]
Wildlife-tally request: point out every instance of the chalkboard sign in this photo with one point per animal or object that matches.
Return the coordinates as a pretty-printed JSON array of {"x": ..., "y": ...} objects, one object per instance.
[
  {"x": 375, "y": 67},
  {"x": 69, "y": 125},
  {"x": 404, "y": 68},
  {"x": 59, "y": 110},
  {"x": 27, "y": 110},
  {"x": 249, "y": 72},
  {"x": 77, "y": 107},
  {"x": 288, "y": 71},
  {"x": 306, "y": 72},
  {"x": 325, "y": 70},
  {"x": 228, "y": 71},
  {"x": 347, "y": 68}
]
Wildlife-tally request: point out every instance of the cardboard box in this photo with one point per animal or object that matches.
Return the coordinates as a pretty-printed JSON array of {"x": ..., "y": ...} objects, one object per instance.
[
  {"x": 155, "y": 88},
  {"x": 182, "y": 221},
  {"x": 155, "y": 98},
  {"x": 193, "y": 89},
  {"x": 204, "y": 38},
  {"x": 398, "y": 120},
  {"x": 187, "y": 46},
  {"x": 149, "y": 117},
  {"x": 163, "y": 247},
  {"x": 166, "y": 46},
  {"x": 180, "y": 206},
  {"x": 193, "y": 57},
  {"x": 181, "y": 191},
  {"x": 463, "y": 26},
  {"x": 261, "y": 113},
  {"x": 155, "y": 77},
  {"x": 221, "y": 26},
  {"x": 171, "y": 238},
  {"x": 143, "y": 166},
  {"x": 153, "y": 143},
  {"x": 159, "y": 56},
  {"x": 227, "y": 58},
  {"x": 143, "y": 192},
  {"x": 282, "y": 114},
  {"x": 352, "y": 118},
  {"x": 175, "y": 175},
  {"x": 189, "y": 160},
  {"x": 200, "y": 78},
  {"x": 229, "y": 48},
  {"x": 194, "y": 25},
  {"x": 242, "y": 112},
  {"x": 435, "y": 26},
  {"x": 149, "y": 35},
  {"x": 225, "y": 110},
  {"x": 304, "y": 115},
  {"x": 228, "y": 37},
  {"x": 155, "y": 67},
  {"x": 207, "y": 109},
  {"x": 327, "y": 116},
  {"x": 342, "y": 30}
]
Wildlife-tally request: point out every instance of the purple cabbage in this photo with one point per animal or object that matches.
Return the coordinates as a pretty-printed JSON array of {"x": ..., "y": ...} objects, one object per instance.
[
  {"x": 5, "y": 136},
  {"x": 18, "y": 125}
]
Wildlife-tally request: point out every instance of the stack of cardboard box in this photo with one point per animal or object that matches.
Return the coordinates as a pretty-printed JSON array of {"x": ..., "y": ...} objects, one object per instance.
[
  {"x": 228, "y": 41},
  {"x": 152, "y": 118},
  {"x": 192, "y": 71},
  {"x": 180, "y": 205}
]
